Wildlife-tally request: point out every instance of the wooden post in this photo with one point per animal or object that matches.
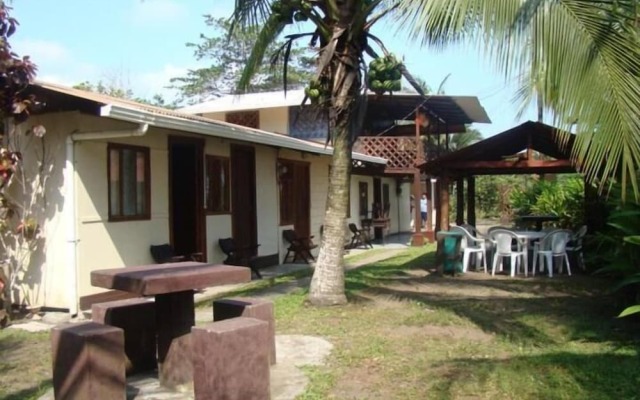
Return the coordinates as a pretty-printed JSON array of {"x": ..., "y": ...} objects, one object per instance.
[
  {"x": 443, "y": 215},
  {"x": 471, "y": 200},
  {"x": 460, "y": 201},
  {"x": 418, "y": 238}
]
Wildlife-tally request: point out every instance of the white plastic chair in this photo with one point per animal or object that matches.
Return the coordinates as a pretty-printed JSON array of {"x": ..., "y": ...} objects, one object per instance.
[
  {"x": 575, "y": 245},
  {"x": 502, "y": 239},
  {"x": 553, "y": 245},
  {"x": 471, "y": 245}
]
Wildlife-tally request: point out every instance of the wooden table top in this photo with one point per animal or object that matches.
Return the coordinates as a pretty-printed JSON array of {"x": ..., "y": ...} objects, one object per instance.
[{"x": 148, "y": 280}]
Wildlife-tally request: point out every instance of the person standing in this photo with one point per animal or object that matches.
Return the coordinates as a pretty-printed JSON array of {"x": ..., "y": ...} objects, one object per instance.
[{"x": 423, "y": 209}]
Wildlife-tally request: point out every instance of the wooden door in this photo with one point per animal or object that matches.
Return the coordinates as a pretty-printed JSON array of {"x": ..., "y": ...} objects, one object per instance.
[
  {"x": 243, "y": 195},
  {"x": 187, "y": 217},
  {"x": 302, "y": 223}
]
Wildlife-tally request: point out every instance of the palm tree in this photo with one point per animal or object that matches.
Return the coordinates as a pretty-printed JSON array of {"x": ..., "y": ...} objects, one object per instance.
[
  {"x": 341, "y": 35},
  {"x": 579, "y": 58}
]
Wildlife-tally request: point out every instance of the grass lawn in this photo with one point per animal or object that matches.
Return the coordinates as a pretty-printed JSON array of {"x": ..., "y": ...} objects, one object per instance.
[{"x": 408, "y": 334}]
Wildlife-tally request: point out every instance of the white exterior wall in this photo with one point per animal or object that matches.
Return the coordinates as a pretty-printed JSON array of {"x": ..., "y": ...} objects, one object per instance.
[
  {"x": 217, "y": 226},
  {"x": 104, "y": 244},
  {"x": 404, "y": 208},
  {"x": 267, "y": 205},
  {"x": 275, "y": 119},
  {"x": 48, "y": 271}
]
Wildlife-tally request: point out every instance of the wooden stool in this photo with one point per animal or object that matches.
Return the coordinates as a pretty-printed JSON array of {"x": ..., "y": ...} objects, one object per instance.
[
  {"x": 88, "y": 361},
  {"x": 249, "y": 307},
  {"x": 231, "y": 360},
  {"x": 137, "y": 317}
]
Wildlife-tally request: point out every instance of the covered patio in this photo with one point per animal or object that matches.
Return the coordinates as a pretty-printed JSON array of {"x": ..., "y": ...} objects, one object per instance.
[{"x": 529, "y": 148}]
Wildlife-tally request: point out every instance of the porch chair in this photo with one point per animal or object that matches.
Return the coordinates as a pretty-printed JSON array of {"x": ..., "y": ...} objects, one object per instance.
[
  {"x": 164, "y": 253},
  {"x": 239, "y": 255},
  {"x": 552, "y": 245},
  {"x": 299, "y": 247},
  {"x": 503, "y": 239},
  {"x": 575, "y": 245},
  {"x": 360, "y": 237},
  {"x": 471, "y": 245}
]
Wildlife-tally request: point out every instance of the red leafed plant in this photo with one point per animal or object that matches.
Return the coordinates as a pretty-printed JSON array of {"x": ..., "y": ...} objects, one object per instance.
[{"x": 17, "y": 227}]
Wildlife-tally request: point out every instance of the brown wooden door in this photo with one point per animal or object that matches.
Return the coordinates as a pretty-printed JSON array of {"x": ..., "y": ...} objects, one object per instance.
[
  {"x": 243, "y": 195},
  {"x": 187, "y": 218},
  {"x": 302, "y": 223}
]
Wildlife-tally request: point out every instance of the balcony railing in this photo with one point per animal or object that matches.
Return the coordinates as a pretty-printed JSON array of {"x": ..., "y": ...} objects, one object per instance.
[{"x": 400, "y": 151}]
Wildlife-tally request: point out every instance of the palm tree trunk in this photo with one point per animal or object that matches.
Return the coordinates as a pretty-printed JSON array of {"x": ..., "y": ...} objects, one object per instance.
[{"x": 328, "y": 284}]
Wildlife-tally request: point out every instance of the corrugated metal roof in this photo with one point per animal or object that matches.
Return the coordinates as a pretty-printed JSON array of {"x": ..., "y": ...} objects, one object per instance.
[
  {"x": 249, "y": 101},
  {"x": 398, "y": 106},
  {"x": 132, "y": 111}
]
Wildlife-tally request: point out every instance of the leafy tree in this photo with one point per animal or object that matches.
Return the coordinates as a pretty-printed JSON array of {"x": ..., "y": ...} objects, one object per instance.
[
  {"x": 578, "y": 58},
  {"x": 228, "y": 55},
  {"x": 340, "y": 33},
  {"x": 117, "y": 90}
]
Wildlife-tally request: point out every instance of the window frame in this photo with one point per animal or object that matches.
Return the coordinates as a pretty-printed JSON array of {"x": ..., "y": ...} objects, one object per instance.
[
  {"x": 147, "y": 182},
  {"x": 227, "y": 189}
]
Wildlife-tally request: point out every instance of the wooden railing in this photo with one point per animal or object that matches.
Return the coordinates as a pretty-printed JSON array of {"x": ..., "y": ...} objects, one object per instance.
[{"x": 400, "y": 151}]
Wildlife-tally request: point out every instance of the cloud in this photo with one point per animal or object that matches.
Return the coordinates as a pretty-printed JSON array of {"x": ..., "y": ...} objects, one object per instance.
[
  {"x": 42, "y": 51},
  {"x": 157, "y": 12}
]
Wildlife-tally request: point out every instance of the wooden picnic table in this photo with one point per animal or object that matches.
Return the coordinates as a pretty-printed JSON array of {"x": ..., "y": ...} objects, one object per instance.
[{"x": 173, "y": 286}]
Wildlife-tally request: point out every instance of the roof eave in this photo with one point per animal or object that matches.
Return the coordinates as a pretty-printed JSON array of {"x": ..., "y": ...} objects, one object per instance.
[{"x": 221, "y": 130}]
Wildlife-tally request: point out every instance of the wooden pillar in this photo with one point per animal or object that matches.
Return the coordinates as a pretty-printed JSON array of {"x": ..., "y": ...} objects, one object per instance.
[
  {"x": 471, "y": 200},
  {"x": 460, "y": 201},
  {"x": 443, "y": 215},
  {"x": 417, "y": 239}
]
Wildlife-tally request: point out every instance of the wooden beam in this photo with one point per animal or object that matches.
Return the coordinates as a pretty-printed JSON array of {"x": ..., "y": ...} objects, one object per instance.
[
  {"x": 459, "y": 201},
  {"x": 471, "y": 200},
  {"x": 506, "y": 164}
]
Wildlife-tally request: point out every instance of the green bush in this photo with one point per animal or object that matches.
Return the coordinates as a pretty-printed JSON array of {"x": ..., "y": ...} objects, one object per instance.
[
  {"x": 562, "y": 197},
  {"x": 617, "y": 247}
]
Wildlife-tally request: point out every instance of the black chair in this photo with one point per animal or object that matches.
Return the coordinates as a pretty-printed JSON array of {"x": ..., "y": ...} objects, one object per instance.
[
  {"x": 360, "y": 237},
  {"x": 164, "y": 253},
  {"x": 239, "y": 255},
  {"x": 299, "y": 247}
]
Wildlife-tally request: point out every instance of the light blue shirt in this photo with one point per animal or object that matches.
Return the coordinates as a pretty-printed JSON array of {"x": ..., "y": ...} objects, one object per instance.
[{"x": 423, "y": 204}]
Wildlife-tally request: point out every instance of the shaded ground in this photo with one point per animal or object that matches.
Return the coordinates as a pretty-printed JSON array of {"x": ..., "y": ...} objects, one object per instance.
[{"x": 409, "y": 334}]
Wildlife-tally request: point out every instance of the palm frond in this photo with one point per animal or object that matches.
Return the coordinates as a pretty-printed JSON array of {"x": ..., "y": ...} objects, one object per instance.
[
  {"x": 585, "y": 55},
  {"x": 250, "y": 14},
  {"x": 269, "y": 32}
]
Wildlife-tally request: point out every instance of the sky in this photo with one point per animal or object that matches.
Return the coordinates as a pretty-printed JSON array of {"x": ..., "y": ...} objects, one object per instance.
[{"x": 140, "y": 45}]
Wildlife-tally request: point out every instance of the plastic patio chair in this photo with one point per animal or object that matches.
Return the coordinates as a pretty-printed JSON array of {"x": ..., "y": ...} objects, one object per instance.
[
  {"x": 471, "y": 245},
  {"x": 553, "y": 245},
  {"x": 503, "y": 239}
]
